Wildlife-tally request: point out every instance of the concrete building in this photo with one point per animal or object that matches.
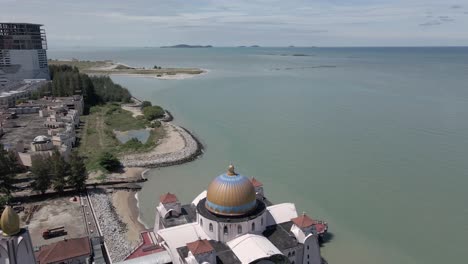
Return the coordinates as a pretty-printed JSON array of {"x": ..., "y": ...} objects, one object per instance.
[
  {"x": 8, "y": 99},
  {"x": 22, "y": 53},
  {"x": 233, "y": 222}
]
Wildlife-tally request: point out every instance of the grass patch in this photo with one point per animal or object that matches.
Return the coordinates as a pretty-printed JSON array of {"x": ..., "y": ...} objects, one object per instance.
[
  {"x": 122, "y": 120},
  {"x": 99, "y": 136}
]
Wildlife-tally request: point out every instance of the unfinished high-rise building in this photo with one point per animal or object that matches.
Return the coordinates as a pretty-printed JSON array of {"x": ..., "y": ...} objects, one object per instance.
[{"x": 22, "y": 53}]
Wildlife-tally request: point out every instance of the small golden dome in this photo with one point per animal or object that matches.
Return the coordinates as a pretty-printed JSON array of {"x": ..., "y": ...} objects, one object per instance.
[{"x": 10, "y": 222}]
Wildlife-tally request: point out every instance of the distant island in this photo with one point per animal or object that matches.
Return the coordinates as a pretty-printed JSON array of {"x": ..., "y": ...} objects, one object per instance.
[
  {"x": 108, "y": 67},
  {"x": 187, "y": 46}
]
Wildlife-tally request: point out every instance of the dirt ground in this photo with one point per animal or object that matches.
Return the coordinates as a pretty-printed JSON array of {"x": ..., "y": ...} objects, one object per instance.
[
  {"x": 53, "y": 213},
  {"x": 26, "y": 128}
]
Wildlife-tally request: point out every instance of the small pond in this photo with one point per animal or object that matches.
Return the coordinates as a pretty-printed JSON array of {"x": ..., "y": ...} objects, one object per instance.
[{"x": 141, "y": 134}]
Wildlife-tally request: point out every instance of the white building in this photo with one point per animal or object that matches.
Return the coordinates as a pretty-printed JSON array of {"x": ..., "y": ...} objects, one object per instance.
[
  {"x": 232, "y": 222},
  {"x": 22, "y": 53}
]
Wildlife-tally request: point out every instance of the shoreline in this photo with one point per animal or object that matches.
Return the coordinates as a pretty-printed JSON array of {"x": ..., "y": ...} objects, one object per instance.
[
  {"x": 178, "y": 147},
  {"x": 109, "y": 67},
  {"x": 160, "y": 157},
  {"x": 177, "y": 76}
]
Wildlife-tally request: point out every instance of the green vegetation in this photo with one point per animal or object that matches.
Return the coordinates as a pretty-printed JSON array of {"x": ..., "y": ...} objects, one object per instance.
[
  {"x": 108, "y": 161},
  {"x": 9, "y": 167},
  {"x": 145, "y": 104},
  {"x": 109, "y": 67},
  {"x": 122, "y": 120},
  {"x": 99, "y": 136},
  {"x": 77, "y": 177},
  {"x": 81, "y": 65},
  {"x": 68, "y": 81},
  {"x": 59, "y": 169},
  {"x": 153, "y": 112},
  {"x": 54, "y": 171},
  {"x": 40, "y": 169}
]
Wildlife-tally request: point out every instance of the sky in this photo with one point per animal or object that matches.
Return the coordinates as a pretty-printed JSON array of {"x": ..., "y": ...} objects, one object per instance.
[{"x": 144, "y": 23}]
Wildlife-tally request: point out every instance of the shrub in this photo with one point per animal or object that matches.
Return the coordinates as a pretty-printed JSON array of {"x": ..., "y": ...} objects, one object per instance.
[
  {"x": 155, "y": 124},
  {"x": 145, "y": 104},
  {"x": 108, "y": 161},
  {"x": 153, "y": 112}
]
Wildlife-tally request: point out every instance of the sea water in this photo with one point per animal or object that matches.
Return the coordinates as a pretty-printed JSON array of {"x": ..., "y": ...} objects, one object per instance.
[{"x": 372, "y": 140}]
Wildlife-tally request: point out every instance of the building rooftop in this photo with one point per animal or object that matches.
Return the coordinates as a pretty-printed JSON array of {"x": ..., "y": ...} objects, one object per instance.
[
  {"x": 188, "y": 215},
  {"x": 303, "y": 221},
  {"x": 147, "y": 247},
  {"x": 223, "y": 253},
  {"x": 255, "y": 182},
  {"x": 281, "y": 236},
  {"x": 63, "y": 250},
  {"x": 200, "y": 246},
  {"x": 20, "y": 23},
  {"x": 168, "y": 198}
]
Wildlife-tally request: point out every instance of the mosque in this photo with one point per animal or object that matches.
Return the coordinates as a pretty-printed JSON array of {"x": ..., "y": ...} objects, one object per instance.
[{"x": 233, "y": 222}]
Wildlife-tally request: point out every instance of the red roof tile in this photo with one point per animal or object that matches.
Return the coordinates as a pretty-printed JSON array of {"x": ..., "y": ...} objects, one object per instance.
[
  {"x": 303, "y": 221},
  {"x": 168, "y": 198},
  {"x": 200, "y": 247},
  {"x": 64, "y": 250},
  {"x": 147, "y": 247},
  {"x": 256, "y": 183}
]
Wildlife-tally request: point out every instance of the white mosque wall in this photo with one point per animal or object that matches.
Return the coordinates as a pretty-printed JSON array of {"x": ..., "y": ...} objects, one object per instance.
[
  {"x": 311, "y": 250},
  {"x": 226, "y": 231}
]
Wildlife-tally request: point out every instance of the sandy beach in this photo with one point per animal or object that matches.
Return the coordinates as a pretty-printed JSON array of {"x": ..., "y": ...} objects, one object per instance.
[{"x": 126, "y": 206}]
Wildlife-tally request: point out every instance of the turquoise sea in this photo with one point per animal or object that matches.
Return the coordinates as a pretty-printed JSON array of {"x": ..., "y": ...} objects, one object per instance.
[{"x": 372, "y": 140}]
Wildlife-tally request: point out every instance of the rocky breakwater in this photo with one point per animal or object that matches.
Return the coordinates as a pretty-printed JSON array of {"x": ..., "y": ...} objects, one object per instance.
[
  {"x": 177, "y": 147},
  {"x": 112, "y": 227}
]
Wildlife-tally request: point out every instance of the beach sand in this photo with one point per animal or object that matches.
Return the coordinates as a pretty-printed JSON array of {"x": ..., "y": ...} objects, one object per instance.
[
  {"x": 126, "y": 207},
  {"x": 135, "y": 110},
  {"x": 172, "y": 142}
]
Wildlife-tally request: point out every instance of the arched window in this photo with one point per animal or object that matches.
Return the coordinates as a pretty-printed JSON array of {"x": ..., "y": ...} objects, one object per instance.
[
  {"x": 201, "y": 222},
  {"x": 253, "y": 226},
  {"x": 211, "y": 227},
  {"x": 307, "y": 247},
  {"x": 294, "y": 253},
  {"x": 289, "y": 254},
  {"x": 239, "y": 229},
  {"x": 261, "y": 221},
  {"x": 225, "y": 230},
  {"x": 307, "y": 256}
]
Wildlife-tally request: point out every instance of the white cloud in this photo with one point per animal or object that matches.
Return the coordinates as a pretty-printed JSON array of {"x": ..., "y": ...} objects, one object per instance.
[{"x": 224, "y": 22}]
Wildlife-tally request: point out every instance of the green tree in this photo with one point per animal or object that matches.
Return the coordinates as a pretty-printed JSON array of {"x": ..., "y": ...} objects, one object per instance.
[
  {"x": 59, "y": 170},
  {"x": 8, "y": 168},
  {"x": 78, "y": 175},
  {"x": 153, "y": 112},
  {"x": 145, "y": 104},
  {"x": 108, "y": 161},
  {"x": 41, "y": 173}
]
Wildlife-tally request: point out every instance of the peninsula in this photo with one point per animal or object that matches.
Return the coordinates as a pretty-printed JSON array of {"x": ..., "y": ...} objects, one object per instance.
[{"x": 108, "y": 67}]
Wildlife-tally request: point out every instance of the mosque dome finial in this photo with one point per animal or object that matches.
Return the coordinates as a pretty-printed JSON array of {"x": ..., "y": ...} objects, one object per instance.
[
  {"x": 10, "y": 222},
  {"x": 231, "y": 171}
]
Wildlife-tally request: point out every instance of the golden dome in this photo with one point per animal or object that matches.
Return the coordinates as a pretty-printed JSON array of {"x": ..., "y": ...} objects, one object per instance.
[
  {"x": 10, "y": 222},
  {"x": 230, "y": 194}
]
